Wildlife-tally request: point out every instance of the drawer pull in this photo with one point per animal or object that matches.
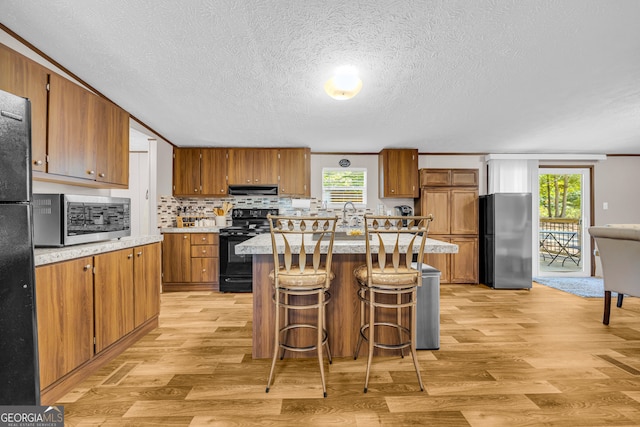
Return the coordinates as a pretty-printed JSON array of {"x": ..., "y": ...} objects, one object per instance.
[
  {"x": 204, "y": 270},
  {"x": 204, "y": 251}
]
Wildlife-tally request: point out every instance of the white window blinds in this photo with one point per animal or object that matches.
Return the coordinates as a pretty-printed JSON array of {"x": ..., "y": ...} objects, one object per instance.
[{"x": 340, "y": 186}]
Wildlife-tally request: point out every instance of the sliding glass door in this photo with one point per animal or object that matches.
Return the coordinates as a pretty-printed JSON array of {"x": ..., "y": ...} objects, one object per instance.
[{"x": 564, "y": 247}]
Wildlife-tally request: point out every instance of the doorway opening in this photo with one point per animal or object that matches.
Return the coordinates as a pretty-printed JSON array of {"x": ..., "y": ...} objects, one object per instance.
[{"x": 564, "y": 196}]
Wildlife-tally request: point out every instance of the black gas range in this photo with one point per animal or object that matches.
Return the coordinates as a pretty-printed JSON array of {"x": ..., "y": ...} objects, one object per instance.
[{"x": 236, "y": 270}]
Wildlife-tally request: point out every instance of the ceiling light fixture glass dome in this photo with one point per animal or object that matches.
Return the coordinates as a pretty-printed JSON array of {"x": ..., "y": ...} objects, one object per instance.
[{"x": 345, "y": 84}]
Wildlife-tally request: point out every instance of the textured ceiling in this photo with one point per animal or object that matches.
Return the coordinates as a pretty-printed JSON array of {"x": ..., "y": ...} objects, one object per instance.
[{"x": 491, "y": 76}]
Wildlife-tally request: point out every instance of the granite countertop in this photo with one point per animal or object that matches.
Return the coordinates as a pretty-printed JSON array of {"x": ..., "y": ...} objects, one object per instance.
[
  {"x": 45, "y": 256},
  {"x": 261, "y": 244},
  {"x": 191, "y": 230}
]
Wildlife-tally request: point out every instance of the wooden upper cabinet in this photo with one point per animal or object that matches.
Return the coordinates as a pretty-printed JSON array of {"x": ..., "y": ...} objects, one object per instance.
[
  {"x": 112, "y": 161},
  {"x": 23, "y": 77},
  {"x": 213, "y": 171},
  {"x": 448, "y": 177},
  {"x": 294, "y": 172},
  {"x": 398, "y": 172},
  {"x": 70, "y": 152},
  {"x": 186, "y": 171},
  {"x": 251, "y": 166}
]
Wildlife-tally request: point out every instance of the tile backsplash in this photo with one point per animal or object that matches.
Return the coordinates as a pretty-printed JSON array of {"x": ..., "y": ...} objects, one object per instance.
[{"x": 168, "y": 207}]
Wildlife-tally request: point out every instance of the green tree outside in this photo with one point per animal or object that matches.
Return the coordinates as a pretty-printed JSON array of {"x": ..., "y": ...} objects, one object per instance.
[{"x": 560, "y": 196}]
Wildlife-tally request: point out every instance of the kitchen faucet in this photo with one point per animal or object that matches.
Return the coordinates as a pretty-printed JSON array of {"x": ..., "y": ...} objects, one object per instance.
[{"x": 344, "y": 212}]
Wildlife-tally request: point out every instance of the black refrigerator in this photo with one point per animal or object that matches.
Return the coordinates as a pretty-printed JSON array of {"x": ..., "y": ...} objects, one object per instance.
[
  {"x": 19, "y": 373},
  {"x": 505, "y": 240}
]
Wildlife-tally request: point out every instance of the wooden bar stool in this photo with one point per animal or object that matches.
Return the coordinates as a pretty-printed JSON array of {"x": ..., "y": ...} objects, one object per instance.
[
  {"x": 302, "y": 251},
  {"x": 389, "y": 281}
]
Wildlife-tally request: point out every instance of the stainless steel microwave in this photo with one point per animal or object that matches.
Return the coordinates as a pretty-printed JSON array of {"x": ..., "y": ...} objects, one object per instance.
[{"x": 63, "y": 219}]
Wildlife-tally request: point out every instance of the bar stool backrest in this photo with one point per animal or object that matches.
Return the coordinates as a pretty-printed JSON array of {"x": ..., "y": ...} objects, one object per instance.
[
  {"x": 307, "y": 238},
  {"x": 396, "y": 238}
]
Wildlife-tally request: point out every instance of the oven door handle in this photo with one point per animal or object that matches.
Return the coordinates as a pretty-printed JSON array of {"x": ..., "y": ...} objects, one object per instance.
[{"x": 233, "y": 280}]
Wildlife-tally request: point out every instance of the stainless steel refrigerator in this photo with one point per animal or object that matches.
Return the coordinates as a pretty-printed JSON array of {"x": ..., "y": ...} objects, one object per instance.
[
  {"x": 505, "y": 240},
  {"x": 19, "y": 374}
]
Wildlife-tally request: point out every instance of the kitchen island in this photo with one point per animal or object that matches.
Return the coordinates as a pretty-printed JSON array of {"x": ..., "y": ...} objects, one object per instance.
[{"x": 343, "y": 311}]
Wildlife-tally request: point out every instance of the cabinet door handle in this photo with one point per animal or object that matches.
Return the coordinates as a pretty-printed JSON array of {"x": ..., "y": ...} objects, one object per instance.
[
  {"x": 139, "y": 253},
  {"x": 248, "y": 180},
  {"x": 256, "y": 179},
  {"x": 38, "y": 162},
  {"x": 195, "y": 190},
  {"x": 204, "y": 238},
  {"x": 87, "y": 267},
  {"x": 130, "y": 256},
  {"x": 204, "y": 270},
  {"x": 185, "y": 237},
  {"x": 101, "y": 175},
  {"x": 91, "y": 172}
]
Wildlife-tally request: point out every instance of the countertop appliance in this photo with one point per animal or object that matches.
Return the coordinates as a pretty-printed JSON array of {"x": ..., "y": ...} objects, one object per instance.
[
  {"x": 236, "y": 270},
  {"x": 403, "y": 210},
  {"x": 505, "y": 240},
  {"x": 64, "y": 219},
  {"x": 19, "y": 371}
]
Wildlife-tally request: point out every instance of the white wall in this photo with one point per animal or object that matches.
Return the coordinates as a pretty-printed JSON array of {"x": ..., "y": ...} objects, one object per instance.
[{"x": 616, "y": 183}]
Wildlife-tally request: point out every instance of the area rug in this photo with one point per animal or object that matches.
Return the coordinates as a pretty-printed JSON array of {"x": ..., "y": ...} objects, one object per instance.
[{"x": 590, "y": 287}]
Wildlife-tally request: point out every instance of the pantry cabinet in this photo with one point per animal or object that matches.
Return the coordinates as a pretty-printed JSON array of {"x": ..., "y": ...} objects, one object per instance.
[
  {"x": 451, "y": 196},
  {"x": 251, "y": 166},
  {"x": 398, "y": 173},
  {"x": 190, "y": 261},
  {"x": 23, "y": 77},
  {"x": 294, "y": 172}
]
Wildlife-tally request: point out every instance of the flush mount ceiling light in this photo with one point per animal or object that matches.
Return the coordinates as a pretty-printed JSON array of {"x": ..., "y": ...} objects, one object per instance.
[{"x": 345, "y": 84}]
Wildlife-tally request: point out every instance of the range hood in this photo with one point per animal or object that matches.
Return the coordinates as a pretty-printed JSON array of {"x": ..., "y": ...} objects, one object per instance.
[{"x": 253, "y": 190}]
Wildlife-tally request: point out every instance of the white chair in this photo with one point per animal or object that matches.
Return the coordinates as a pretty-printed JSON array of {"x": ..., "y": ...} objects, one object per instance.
[{"x": 619, "y": 249}]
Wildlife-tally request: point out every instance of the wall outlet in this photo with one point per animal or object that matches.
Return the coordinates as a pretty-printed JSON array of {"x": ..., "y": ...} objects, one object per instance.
[{"x": 605, "y": 205}]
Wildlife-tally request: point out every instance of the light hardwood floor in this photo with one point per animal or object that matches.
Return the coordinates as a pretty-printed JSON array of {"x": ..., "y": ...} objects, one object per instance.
[{"x": 507, "y": 358}]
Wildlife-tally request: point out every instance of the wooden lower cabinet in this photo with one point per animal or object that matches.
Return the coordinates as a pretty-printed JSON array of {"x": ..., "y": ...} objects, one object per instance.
[
  {"x": 190, "y": 261},
  {"x": 64, "y": 301},
  {"x": 91, "y": 309},
  {"x": 456, "y": 268},
  {"x": 146, "y": 282},
  {"x": 113, "y": 297}
]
